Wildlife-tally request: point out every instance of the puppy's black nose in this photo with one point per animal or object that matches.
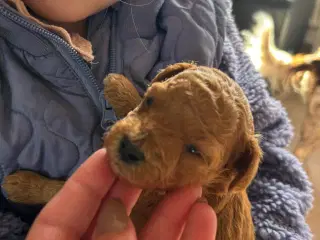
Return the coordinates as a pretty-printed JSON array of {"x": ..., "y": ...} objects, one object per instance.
[{"x": 129, "y": 152}]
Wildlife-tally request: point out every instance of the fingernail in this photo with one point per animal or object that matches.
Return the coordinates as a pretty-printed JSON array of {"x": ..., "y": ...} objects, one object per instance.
[
  {"x": 112, "y": 218},
  {"x": 202, "y": 200}
]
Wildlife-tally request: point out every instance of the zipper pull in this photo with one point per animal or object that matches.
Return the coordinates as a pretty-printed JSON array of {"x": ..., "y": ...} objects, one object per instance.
[{"x": 108, "y": 115}]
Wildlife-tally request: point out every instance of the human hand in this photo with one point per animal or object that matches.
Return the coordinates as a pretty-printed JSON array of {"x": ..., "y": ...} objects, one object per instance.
[{"x": 94, "y": 205}]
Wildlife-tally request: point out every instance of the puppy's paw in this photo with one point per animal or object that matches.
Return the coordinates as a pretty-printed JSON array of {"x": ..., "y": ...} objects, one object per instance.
[
  {"x": 121, "y": 94},
  {"x": 28, "y": 187},
  {"x": 113, "y": 78}
]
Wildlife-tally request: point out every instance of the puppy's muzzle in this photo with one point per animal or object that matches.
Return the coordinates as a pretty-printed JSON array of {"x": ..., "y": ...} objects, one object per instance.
[{"x": 129, "y": 152}]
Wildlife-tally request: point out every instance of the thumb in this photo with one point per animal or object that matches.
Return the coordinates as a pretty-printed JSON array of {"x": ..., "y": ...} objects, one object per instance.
[{"x": 113, "y": 223}]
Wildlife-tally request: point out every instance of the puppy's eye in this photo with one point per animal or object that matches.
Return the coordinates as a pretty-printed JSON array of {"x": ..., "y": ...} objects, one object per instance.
[
  {"x": 192, "y": 149},
  {"x": 149, "y": 101}
]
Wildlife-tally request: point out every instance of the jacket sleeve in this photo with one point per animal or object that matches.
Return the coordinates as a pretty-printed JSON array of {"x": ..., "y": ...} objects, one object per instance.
[{"x": 281, "y": 193}]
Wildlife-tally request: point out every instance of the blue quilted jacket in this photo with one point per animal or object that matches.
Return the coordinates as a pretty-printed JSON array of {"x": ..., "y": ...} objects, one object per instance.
[{"x": 52, "y": 113}]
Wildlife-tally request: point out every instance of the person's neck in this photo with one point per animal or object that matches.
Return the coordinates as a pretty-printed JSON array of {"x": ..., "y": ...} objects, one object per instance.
[{"x": 75, "y": 27}]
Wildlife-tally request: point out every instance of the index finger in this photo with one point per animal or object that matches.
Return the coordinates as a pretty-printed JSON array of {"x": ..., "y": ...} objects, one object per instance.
[
  {"x": 69, "y": 214},
  {"x": 170, "y": 215}
]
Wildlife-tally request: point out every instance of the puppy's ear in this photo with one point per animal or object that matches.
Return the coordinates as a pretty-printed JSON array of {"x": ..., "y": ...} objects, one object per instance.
[
  {"x": 244, "y": 168},
  {"x": 172, "y": 70}
]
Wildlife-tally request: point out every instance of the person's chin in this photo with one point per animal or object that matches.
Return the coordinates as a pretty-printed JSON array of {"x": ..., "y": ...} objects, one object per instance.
[{"x": 59, "y": 11}]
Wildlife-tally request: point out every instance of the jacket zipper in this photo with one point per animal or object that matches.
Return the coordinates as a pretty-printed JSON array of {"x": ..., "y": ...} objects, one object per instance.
[
  {"x": 106, "y": 122},
  {"x": 112, "y": 64},
  {"x": 75, "y": 56}
]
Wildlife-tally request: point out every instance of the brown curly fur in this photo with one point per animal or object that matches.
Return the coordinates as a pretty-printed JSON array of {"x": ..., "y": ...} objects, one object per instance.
[{"x": 191, "y": 105}]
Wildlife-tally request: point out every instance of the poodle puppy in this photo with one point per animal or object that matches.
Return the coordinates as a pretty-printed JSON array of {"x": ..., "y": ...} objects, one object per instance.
[
  {"x": 192, "y": 127},
  {"x": 172, "y": 139},
  {"x": 287, "y": 74}
]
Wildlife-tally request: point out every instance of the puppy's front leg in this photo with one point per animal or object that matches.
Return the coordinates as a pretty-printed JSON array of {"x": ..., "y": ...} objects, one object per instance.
[
  {"x": 121, "y": 94},
  {"x": 27, "y": 187}
]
